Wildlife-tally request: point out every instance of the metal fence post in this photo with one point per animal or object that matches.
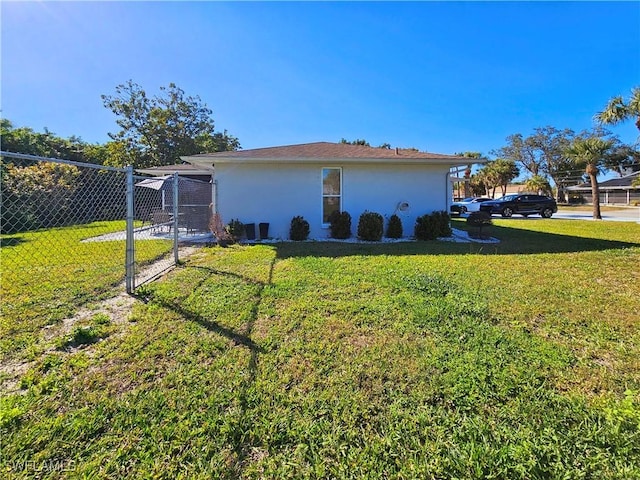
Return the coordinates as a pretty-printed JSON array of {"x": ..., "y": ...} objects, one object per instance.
[
  {"x": 130, "y": 253},
  {"x": 176, "y": 214}
]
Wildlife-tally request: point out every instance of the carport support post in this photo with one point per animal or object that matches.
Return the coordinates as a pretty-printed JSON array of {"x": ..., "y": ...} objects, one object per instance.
[
  {"x": 175, "y": 217},
  {"x": 130, "y": 253}
]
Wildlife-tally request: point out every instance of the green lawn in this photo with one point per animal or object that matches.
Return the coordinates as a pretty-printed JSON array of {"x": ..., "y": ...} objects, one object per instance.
[
  {"x": 48, "y": 274},
  {"x": 330, "y": 360}
]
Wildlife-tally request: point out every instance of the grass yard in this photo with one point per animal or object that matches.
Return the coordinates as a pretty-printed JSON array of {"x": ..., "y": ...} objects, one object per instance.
[
  {"x": 330, "y": 360},
  {"x": 48, "y": 274}
]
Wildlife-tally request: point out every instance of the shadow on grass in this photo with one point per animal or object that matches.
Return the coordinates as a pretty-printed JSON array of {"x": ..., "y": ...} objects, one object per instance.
[
  {"x": 241, "y": 338},
  {"x": 11, "y": 241},
  {"x": 513, "y": 241}
]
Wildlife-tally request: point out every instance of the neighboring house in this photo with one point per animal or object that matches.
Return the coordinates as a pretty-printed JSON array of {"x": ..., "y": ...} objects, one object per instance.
[
  {"x": 614, "y": 191},
  {"x": 272, "y": 185},
  {"x": 512, "y": 188}
]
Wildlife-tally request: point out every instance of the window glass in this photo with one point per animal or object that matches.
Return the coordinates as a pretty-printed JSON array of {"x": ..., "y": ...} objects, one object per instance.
[
  {"x": 329, "y": 205},
  {"x": 331, "y": 192},
  {"x": 331, "y": 181}
]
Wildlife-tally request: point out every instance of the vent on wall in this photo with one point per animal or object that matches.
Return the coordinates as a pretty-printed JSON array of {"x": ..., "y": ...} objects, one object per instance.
[{"x": 402, "y": 207}]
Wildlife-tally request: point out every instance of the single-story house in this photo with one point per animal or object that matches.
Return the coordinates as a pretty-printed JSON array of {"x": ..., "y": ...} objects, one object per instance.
[
  {"x": 614, "y": 191},
  {"x": 272, "y": 185}
]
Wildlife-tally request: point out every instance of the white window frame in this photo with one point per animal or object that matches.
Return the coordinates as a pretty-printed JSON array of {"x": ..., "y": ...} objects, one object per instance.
[{"x": 323, "y": 195}]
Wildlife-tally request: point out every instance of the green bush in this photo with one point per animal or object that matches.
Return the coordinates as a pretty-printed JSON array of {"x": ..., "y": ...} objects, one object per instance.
[
  {"x": 235, "y": 229},
  {"x": 340, "y": 225},
  {"x": 394, "y": 228},
  {"x": 479, "y": 220},
  {"x": 432, "y": 226},
  {"x": 443, "y": 223},
  {"x": 299, "y": 230},
  {"x": 370, "y": 226}
]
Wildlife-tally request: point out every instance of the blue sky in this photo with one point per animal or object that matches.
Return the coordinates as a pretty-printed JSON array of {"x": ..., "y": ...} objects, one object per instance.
[{"x": 444, "y": 77}]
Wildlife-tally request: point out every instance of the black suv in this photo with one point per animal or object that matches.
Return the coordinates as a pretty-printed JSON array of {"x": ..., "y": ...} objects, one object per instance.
[{"x": 525, "y": 205}]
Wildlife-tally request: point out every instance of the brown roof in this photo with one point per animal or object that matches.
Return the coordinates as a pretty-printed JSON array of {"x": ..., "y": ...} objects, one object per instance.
[
  {"x": 624, "y": 183},
  {"x": 322, "y": 151}
]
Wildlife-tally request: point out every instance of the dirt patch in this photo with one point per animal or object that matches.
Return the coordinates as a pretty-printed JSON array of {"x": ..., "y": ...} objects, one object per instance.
[{"x": 117, "y": 308}]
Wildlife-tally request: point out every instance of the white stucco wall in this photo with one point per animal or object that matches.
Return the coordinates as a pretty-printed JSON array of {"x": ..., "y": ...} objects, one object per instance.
[{"x": 275, "y": 193}]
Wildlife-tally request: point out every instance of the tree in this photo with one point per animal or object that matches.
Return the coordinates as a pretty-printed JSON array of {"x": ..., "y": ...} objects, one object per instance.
[
  {"x": 538, "y": 184},
  {"x": 618, "y": 111},
  {"x": 494, "y": 174},
  {"x": 623, "y": 159},
  {"x": 522, "y": 151},
  {"x": 158, "y": 130},
  {"x": 500, "y": 172},
  {"x": 543, "y": 153},
  {"x": 357, "y": 141},
  {"x": 217, "y": 142},
  {"x": 26, "y": 140},
  {"x": 478, "y": 183},
  {"x": 591, "y": 153},
  {"x": 467, "y": 172},
  {"x": 39, "y": 195},
  {"x": 363, "y": 142}
]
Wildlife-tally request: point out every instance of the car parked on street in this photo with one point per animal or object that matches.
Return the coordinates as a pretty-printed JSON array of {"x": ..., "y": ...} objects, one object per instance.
[
  {"x": 470, "y": 204},
  {"x": 521, "y": 204}
]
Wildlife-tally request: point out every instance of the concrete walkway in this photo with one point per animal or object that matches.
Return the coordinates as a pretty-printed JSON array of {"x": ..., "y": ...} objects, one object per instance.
[{"x": 147, "y": 233}]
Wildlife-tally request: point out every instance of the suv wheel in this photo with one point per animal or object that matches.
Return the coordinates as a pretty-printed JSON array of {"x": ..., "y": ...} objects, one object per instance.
[
  {"x": 507, "y": 212},
  {"x": 546, "y": 212}
]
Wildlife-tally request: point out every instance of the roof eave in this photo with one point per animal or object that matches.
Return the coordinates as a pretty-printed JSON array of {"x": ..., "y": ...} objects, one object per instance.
[{"x": 399, "y": 160}]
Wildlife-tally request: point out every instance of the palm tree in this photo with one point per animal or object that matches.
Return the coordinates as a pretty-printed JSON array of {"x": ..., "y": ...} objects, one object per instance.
[
  {"x": 478, "y": 184},
  {"x": 591, "y": 152},
  {"x": 538, "y": 184},
  {"x": 618, "y": 111},
  {"x": 506, "y": 171}
]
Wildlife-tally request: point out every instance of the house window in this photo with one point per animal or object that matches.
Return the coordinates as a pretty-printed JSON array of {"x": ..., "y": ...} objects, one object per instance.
[{"x": 331, "y": 192}]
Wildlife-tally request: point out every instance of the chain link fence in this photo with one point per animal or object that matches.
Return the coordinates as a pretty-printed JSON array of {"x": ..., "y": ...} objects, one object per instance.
[
  {"x": 169, "y": 208},
  {"x": 78, "y": 229}
]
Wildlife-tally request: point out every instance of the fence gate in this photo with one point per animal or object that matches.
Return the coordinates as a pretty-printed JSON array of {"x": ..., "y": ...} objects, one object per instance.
[
  {"x": 65, "y": 224},
  {"x": 169, "y": 209}
]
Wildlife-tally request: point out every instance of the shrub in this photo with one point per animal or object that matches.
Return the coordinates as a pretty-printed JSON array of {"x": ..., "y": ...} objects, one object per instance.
[
  {"x": 443, "y": 223},
  {"x": 235, "y": 229},
  {"x": 299, "y": 229},
  {"x": 432, "y": 226},
  {"x": 370, "y": 226},
  {"x": 576, "y": 198},
  {"x": 394, "y": 228},
  {"x": 340, "y": 224},
  {"x": 479, "y": 220}
]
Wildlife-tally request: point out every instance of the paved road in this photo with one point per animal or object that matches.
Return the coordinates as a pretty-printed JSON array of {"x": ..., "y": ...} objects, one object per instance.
[
  {"x": 627, "y": 214},
  {"x": 624, "y": 214}
]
